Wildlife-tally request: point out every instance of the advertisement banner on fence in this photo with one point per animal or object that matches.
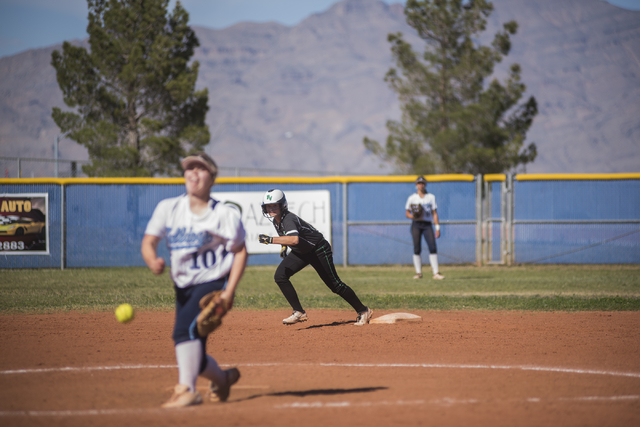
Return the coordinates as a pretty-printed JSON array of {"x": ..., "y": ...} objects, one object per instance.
[
  {"x": 24, "y": 224},
  {"x": 312, "y": 206}
]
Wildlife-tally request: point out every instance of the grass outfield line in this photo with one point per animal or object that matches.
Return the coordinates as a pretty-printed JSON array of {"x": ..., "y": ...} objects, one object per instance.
[{"x": 531, "y": 288}]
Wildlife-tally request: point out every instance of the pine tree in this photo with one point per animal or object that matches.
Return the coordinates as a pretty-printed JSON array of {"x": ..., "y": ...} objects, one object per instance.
[
  {"x": 132, "y": 94},
  {"x": 453, "y": 121}
]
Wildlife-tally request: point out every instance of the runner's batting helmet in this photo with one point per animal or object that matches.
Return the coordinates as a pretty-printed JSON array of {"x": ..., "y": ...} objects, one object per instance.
[{"x": 274, "y": 196}]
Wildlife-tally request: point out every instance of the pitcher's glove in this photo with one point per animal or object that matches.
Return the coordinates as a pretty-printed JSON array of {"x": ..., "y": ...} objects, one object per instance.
[
  {"x": 417, "y": 210},
  {"x": 212, "y": 309},
  {"x": 283, "y": 251},
  {"x": 263, "y": 238}
]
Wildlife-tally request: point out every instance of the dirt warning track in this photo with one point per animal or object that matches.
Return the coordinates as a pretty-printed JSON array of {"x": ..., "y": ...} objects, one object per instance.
[{"x": 450, "y": 369}]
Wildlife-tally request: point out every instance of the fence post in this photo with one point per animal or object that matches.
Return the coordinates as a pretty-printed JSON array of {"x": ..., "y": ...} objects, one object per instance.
[
  {"x": 345, "y": 227},
  {"x": 503, "y": 222},
  {"x": 509, "y": 220},
  {"x": 62, "y": 228},
  {"x": 479, "y": 220},
  {"x": 487, "y": 231},
  {"x": 55, "y": 154}
]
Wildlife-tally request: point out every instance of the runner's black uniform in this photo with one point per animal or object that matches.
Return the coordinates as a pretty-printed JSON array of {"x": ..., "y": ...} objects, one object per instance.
[{"x": 312, "y": 249}]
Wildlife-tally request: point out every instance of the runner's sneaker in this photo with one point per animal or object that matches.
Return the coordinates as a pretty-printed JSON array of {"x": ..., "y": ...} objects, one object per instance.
[
  {"x": 438, "y": 276},
  {"x": 221, "y": 394},
  {"x": 182, "y": 397},
  {"x": 364, "y": 317},
  {"x": 296, "y": 317},
  {"x": 418, "y": 276}
]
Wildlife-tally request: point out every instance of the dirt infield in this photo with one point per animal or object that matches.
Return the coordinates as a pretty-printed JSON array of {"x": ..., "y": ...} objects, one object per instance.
[{"x": 450, "y": 369}]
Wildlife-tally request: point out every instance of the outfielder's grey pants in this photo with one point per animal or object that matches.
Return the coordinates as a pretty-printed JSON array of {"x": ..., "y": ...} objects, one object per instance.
[{"x": 419, "y": 229}]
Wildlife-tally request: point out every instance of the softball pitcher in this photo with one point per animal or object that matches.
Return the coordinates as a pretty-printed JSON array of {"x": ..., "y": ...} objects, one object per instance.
[
  {"x": 208, "y": 254},
  {"x": 308, "y": 247},
  {"x": 422, "y": 209}
]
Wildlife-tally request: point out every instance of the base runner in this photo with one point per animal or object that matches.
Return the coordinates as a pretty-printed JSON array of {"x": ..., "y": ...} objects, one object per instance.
[
  {"x": 208, "y": 254},
  {"x": 308, "y": 247}
]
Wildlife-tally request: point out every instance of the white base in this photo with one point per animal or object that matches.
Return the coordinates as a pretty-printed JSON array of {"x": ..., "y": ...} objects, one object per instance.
[{"x": 396, "y": 317}]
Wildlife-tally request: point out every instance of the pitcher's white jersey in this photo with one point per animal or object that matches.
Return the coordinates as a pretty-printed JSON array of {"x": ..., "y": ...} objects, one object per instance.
[
  {"x": 202, "y": 247},
  {"x": 428, "y": 205}
]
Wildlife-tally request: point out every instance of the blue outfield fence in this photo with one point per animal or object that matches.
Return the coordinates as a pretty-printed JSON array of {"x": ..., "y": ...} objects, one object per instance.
[
  {"x": 105, "y": 223},
  {"x": 575, "y": 221},
  {"x": 379, "y": 232},
  {"x": 99, "y": 222}
]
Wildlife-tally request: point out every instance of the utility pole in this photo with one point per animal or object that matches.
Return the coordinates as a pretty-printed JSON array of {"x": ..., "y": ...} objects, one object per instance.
[{"x": 55, "y": 153}]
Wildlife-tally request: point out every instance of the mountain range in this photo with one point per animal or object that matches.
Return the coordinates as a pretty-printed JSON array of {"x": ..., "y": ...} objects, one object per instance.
[{"x": 290, "y": 100}]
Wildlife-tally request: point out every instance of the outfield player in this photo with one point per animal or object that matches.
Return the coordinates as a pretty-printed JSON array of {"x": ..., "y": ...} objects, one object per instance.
[
  {"x": 421, "y": 208},
  {"x": 206, "y": 240},
  {"x": 308, "y": 247}
]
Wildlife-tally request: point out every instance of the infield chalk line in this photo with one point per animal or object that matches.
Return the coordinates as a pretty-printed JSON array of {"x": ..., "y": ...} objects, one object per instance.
[
  {"x": 86, "y": 369},
  {"x": 88, "y": 412},
  {"x": 445, "y": 401},
  {"x": 520, "y": 367},
  {"x": 344, "y": 404},
  {"x": 341, "y": 365},
  {"x": 453, "y": 366}
]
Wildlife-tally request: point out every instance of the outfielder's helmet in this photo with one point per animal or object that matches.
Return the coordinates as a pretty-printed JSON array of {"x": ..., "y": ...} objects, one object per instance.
[{"x": 274, "y": 196}]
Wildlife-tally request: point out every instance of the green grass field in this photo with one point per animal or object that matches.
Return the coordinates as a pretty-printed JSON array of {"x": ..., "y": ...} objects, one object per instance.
[{"x": 541, "y": 288}]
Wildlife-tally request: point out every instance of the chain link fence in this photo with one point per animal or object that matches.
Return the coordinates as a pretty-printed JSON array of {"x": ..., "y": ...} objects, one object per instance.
[{"x": 24, "y": 167}]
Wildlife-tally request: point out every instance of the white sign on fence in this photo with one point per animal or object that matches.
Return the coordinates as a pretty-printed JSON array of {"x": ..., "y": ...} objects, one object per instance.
[{"x": 312, "y": 206}]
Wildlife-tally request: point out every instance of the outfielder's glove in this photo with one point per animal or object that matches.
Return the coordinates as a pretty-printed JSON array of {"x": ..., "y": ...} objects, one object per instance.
[
  {"x": 417, "y": 210},
  {"x": 283, "y": 251},
  {"x": 263, "y": 238},
  {"x": 212, "y": 309}
]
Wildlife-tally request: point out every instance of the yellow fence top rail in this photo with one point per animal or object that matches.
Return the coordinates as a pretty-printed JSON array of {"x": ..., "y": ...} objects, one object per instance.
[
  {"x": 67, "y": 181},
  {"x": 495, "y": 177},
  {"x": 575, "y": 176},
  {"x": 242, "y": 180},
  {"x": 329, "y": 179}
]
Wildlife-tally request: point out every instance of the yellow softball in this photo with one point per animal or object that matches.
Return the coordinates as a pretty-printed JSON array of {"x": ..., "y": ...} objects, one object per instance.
[{"x": 124, "y": 313}]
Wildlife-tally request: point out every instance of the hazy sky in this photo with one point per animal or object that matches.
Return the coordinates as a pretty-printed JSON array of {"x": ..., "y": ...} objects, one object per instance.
[{"x": 28, "y": 24}]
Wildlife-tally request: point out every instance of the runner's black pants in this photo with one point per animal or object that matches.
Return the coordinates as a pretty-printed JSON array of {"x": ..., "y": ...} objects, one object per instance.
[{"x": 321, "y": 259}]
